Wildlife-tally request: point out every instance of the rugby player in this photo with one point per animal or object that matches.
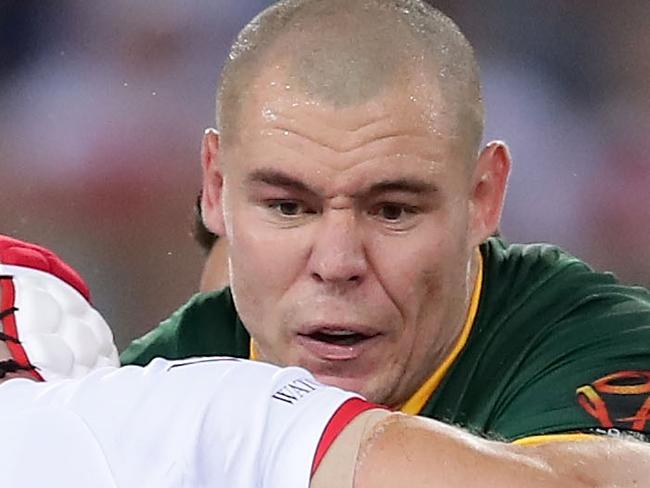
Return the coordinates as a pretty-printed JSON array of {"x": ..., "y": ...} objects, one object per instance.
[
  {"x": 358, "y": 207},
  {"x": 223, "y": 421}
]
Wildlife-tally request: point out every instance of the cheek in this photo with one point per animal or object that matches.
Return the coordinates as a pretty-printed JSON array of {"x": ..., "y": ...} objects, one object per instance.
[
  {"x": 264, "y": 262},
  {"x": 419, "y": 271},
  {"x": 408, "y": 266}
]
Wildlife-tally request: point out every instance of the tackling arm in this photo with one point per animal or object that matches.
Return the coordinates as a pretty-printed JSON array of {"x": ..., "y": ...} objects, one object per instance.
[{"x": 398, "y": 450}]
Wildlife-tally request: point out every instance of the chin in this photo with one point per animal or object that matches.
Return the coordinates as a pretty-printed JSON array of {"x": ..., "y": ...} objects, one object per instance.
[{"x": 356, "y": 385}]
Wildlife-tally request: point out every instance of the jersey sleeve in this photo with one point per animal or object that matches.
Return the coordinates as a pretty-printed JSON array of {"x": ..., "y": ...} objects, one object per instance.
[
  {"x": 290, "y": 423},
  {"x": 587, "y": 370},
  {"x": 200, "y": 422}
]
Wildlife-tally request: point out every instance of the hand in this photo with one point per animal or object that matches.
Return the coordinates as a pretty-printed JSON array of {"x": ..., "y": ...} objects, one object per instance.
[{"x": 48, "y": 327}]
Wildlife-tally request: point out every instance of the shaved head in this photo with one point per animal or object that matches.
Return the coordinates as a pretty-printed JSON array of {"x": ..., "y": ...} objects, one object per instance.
[
  {"x": 347, "y": 52},
  {"x": 348, "y": 183}
]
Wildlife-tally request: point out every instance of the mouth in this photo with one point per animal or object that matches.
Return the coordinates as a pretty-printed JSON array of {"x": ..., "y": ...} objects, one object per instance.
[{"x": 336, "y": 343}]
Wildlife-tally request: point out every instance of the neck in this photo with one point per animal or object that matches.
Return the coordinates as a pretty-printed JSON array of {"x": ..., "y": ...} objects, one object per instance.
[{"x": 464, "y": 322}]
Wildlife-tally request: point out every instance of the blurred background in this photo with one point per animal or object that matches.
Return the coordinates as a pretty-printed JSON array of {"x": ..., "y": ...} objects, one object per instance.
[{"x": 103, "y": 105}]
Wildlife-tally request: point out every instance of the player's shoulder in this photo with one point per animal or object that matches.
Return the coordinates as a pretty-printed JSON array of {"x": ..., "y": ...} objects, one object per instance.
[
  {"x": 206, "y": 325},
  {"x": 197, "y": 419},
  {"x": 541, "y": 302},
  {"x": 159, "y": 383},
  {"x": 540, "y": 275},
  {"x": 200, "y": 308},
  {"x": 533, "y": 260},
  {"x": 546, "y": 321}
]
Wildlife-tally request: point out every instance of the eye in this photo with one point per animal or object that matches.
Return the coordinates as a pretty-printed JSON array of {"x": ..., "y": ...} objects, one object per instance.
[
  {"x": 289, "y": 208},
  {"x": 394, "y": 212},
  {"x": 391, "y": 211}
]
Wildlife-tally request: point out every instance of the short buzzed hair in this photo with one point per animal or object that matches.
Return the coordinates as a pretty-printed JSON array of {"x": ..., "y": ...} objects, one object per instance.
[{"x": 345, "y": 52}]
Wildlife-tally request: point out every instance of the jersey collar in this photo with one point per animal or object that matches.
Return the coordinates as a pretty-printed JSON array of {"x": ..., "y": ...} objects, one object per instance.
[{"x": 414, "y": 404}]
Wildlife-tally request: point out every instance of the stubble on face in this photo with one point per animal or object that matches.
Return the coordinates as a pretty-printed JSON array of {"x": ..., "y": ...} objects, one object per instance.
[{"x": 409, "y": 293}]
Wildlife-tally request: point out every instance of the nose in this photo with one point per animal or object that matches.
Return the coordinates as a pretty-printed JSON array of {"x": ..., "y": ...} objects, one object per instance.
[{"x": 338, "y": 255}]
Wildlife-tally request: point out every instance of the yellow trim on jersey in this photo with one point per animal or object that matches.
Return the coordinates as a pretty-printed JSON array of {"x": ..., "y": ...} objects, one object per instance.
[
  {"x": 535, "y": 440},
  {"x": 414, "y": 404},
  {"x": 253, "y": 351}
]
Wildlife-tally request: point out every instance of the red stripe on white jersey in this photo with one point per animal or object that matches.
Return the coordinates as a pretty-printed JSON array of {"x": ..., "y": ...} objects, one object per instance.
[{"x": 347, "y": 412}]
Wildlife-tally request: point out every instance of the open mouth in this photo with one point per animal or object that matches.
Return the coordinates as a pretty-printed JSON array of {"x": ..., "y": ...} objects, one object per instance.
[
  {"x": 335, "y": 344},
  {"x": 339, "y": 337}
]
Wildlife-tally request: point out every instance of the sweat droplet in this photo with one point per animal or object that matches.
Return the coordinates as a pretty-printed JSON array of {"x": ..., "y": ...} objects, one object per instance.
[{"x": 268, "y": 114}]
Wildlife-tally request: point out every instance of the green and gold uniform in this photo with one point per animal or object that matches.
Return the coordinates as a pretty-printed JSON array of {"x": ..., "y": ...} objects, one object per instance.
[{"x": 549, "y": 347}]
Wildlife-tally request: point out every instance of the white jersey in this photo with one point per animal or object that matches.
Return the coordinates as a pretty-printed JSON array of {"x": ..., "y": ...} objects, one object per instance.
[{"x": 206, "y": 422}]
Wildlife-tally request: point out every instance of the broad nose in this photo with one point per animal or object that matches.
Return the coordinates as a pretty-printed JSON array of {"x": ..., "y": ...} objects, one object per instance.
[{"x": 338, "y": 255}]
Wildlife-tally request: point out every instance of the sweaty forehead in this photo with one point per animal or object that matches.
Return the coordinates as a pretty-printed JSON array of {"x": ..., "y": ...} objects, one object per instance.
[
  {"x": 278, "y": 98},
  {"x": 345, "y": 54},
  {"x": 386, "y": 138},
  {"x": 340, "y": 63}
]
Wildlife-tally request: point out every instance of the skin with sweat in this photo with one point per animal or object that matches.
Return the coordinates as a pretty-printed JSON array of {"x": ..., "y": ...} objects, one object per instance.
[{"x": 360, "y": 222}]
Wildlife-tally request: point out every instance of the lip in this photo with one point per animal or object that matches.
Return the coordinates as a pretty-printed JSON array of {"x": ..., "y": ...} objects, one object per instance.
[
  {"x": 310, "y": 329},
  {"x": 336, "y": 352}
]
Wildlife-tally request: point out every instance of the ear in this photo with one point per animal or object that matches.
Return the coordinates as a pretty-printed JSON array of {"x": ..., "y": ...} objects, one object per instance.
[
  {"x": 489, "y": 182},
  {"x": 211, "y": 199}
]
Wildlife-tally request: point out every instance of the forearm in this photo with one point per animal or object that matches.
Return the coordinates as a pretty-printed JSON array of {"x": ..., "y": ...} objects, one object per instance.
[
  {"x": 604, "y": 462},
  {"x": 416, "y": 452}
]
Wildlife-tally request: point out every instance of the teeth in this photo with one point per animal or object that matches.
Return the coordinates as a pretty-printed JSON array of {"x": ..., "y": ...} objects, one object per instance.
[{"x": 338, "y": 332}]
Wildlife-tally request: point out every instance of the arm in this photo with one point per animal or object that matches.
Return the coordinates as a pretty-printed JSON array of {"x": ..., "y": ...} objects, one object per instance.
[{"x": 398, "y": 450}]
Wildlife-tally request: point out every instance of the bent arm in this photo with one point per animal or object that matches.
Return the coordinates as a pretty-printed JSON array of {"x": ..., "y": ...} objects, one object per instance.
[{"x": 398, "y": 450}]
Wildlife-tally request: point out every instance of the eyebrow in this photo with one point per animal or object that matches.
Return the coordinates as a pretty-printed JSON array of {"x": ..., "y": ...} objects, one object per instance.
[
  {"x": 407, "y": 185},
  {"x": 279, "y": 179}
]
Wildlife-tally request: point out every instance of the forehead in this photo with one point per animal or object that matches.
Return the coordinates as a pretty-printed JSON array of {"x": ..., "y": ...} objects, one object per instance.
[
  {"x": 405, "y": 129},
  {"x": 411, "y": 100},
  {"x": 285, "y": 83}
]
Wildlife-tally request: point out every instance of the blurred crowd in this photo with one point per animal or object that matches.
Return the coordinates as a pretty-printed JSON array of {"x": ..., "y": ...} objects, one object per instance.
[{"x": 103, "y": 104}]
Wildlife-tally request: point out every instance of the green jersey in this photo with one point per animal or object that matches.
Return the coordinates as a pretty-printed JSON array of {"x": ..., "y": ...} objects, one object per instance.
[{"x": 552, "y": 348}]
